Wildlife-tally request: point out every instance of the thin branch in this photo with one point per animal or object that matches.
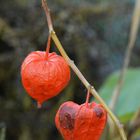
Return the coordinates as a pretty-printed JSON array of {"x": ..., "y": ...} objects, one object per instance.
[
  {"x": 87, "y": 85},
  {"x": 47, "y": 12},
  {"x": 87, "y": 98},
  {"x": 48, "y": 46},
  {"x": 133, "y": 35},
  {"x": 80, "y": 75}
]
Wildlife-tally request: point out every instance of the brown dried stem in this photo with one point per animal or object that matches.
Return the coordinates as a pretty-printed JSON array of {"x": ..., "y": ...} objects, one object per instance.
[
  {"x": 47, "y": 12},
  {"x": 79, "y": 74}
]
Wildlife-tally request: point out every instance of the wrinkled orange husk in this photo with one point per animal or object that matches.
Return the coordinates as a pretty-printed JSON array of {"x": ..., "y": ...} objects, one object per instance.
[
  {"x": 42, "y": 77},
  {"x": 79, "y": 122}
]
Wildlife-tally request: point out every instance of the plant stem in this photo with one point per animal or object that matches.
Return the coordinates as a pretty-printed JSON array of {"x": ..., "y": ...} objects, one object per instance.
[
  {"x": 131, "y": 43},
  {"x": 48, "y": 46},
  {"x": 87, "y": 85},
  {"x": 47, "y": 12},
  {"x": 79, "y": 74},
  {"x": 87, "y": 98}
]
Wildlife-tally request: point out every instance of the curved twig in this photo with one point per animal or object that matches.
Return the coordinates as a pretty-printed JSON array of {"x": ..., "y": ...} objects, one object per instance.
[{"x": 79, "y": 74}]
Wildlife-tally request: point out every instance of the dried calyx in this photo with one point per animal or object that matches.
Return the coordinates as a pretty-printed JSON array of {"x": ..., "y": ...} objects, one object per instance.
[
  {"x": 44, "y": 74},
  {"x": 85, "y": 121}
]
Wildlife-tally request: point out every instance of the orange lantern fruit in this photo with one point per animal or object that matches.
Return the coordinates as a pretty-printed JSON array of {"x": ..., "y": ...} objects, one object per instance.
[
  {"x": 44, "y": 75},
  {"x": 81, "y": 122}
]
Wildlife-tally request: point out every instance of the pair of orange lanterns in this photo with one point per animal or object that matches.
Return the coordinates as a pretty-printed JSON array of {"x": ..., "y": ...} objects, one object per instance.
[{"x": 44, "y": 75}]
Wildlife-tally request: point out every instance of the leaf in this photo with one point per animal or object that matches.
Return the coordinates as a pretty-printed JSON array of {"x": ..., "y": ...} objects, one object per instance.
[{"x": 129, "y": 99}]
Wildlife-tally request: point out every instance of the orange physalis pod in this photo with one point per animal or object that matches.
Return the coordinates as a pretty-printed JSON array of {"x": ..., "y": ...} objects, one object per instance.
[
  {"x": 81, "y": 122},
  {"x": 44, "y": 74}
]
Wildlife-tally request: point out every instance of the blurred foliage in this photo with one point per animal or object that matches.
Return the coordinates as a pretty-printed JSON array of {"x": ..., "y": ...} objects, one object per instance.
[
  {"x": 2, "y": 131},
  {"x": 128, "y": 102},
  {"x": 93, "y": 32}
]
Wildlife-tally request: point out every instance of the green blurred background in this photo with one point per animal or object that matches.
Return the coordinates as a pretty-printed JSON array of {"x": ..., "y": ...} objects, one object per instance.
[{"x": 94, "y": 33}]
